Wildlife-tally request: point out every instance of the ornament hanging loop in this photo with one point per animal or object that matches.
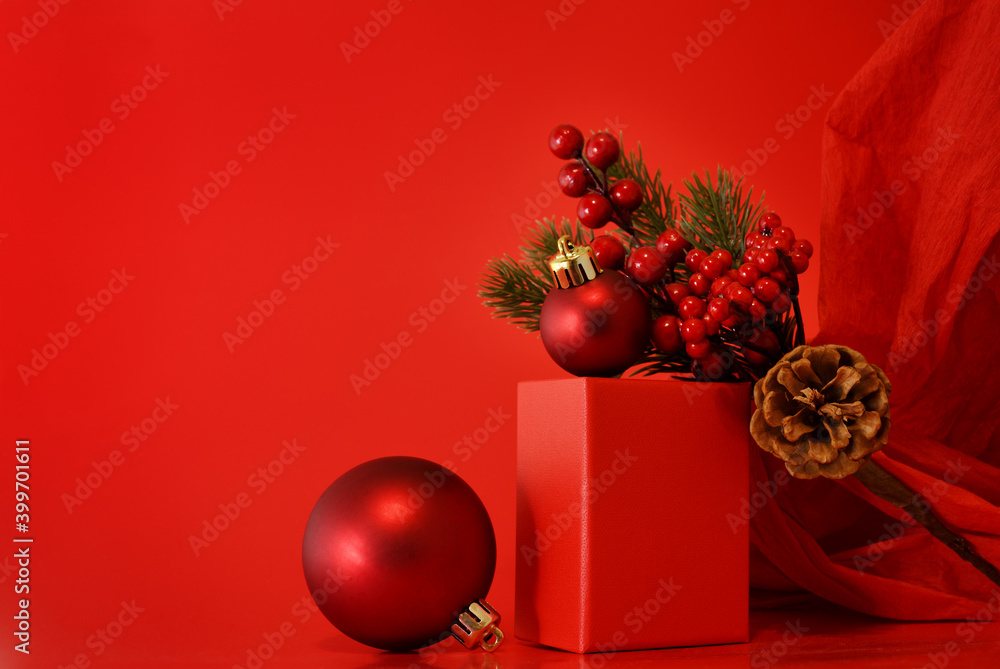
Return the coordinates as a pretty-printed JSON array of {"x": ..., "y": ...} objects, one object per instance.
[
  {"x": 573, "y": 265},
  {"x": 478, "y": 625}
]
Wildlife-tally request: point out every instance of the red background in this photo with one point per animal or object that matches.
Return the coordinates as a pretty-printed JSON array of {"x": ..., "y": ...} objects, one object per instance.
[{"x": 607, "y": 64}]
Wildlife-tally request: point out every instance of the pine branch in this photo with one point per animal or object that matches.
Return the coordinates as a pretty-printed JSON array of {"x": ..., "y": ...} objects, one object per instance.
[
  {"x": 657, "y": 211},
  {"x": 514, "y": 292},
  {"x": 718, "y": 214}
]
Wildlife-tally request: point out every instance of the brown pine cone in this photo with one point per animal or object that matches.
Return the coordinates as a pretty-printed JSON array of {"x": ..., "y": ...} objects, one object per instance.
[{"x": 823, "y": 410}]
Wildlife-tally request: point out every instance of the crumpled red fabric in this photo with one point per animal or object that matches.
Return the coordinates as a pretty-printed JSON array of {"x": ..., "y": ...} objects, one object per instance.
[{"x": 909, "y": 277}]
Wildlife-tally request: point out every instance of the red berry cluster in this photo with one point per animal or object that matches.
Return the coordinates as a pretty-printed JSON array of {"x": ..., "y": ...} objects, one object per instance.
[
  {"x": 724, "y": 300},
  {"x": 586, "y": 176}
]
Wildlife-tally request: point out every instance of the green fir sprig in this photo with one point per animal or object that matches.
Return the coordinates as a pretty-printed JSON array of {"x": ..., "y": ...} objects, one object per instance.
[{"x": 714, "y": 213}]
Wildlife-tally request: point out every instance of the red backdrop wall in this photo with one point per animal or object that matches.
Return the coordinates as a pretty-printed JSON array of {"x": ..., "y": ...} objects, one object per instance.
[{"x": 170, "y": 168}]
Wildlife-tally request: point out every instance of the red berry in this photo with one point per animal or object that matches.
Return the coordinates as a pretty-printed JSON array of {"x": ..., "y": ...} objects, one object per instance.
[
  {"x": 610, "y": 252},
  {"x": 699, "y": 284},
  {"x": 691, "y": 307},
  {"x": 766, "y": 290},
  {"x": 714, "y": 366},
  {"x": 627, "y": 194},
  {"x": 757, "y": 310},
  {"x": 699, "y": 349},
  {"x": 693, "y": 330},
  {"x": 780, "y": 276},
  {"x": 667, "y": 334},
  {"x": 800, "y": 261},
  {"x": 784, "y": 231},
  {"x": 672, "y": 245},
  {"x": 748, "y": 274},
  {"x": 711, "y": 325},
  {"x": 594, "y": 210},
  {"x": 767, "y": 260},
  {"x": 723, "y": 255},
  {"x": 646, "y": 266},
  {"x": 720, "y": 284},
  {"x": 770, "y": 221},
  {"x": 711, "y": 267},
  {"x": 779, "y": 244},
  {"x": 749, "y": 255},
  {"x": 751, "y": 239},
  {"x": 741, "y": 295},
  {"x": 693, "y": 259},
  {"x": 602, "y": 150},
  {"x": 719, "y": 309},
  {"x": 677, "y": 292},
  {"x": 782, "y": 304},
  {"x": 573, "y": 179},
  {"x": 566, "y": 142},
  {"x": 803, "y": 245}
]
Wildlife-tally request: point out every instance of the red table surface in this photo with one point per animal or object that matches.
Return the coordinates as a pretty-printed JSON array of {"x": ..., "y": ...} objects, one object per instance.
[
  {"x": 160, "y": 341},
  {"x": 813, "y": 635}
]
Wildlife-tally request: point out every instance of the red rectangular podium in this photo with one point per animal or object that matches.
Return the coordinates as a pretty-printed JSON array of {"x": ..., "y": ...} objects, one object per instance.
[{"x": 623, "y": 492}]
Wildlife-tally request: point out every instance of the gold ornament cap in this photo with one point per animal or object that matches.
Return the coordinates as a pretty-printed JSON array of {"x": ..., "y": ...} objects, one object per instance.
[
  {"x": 478, "y": 625},
  {"x": 573, "y": 265}
]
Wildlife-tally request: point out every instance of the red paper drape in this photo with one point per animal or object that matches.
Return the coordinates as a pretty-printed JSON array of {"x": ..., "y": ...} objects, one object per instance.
[{"x": 909, "y": 277}]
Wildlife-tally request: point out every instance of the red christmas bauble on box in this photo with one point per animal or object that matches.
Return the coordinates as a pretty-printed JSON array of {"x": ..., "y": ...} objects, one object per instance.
[
  {"x": 594, "y": 322},
  {"x": 396, "y": 549}
]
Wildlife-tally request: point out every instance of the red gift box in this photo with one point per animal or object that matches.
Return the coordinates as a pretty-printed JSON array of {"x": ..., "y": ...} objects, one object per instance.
[{"x": 631, "y": 513}]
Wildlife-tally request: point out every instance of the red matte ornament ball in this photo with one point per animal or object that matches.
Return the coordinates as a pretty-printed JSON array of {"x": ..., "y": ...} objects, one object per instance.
[
  {"x": 599, "y": 328},
  {"x": 407, "y": 545}
]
